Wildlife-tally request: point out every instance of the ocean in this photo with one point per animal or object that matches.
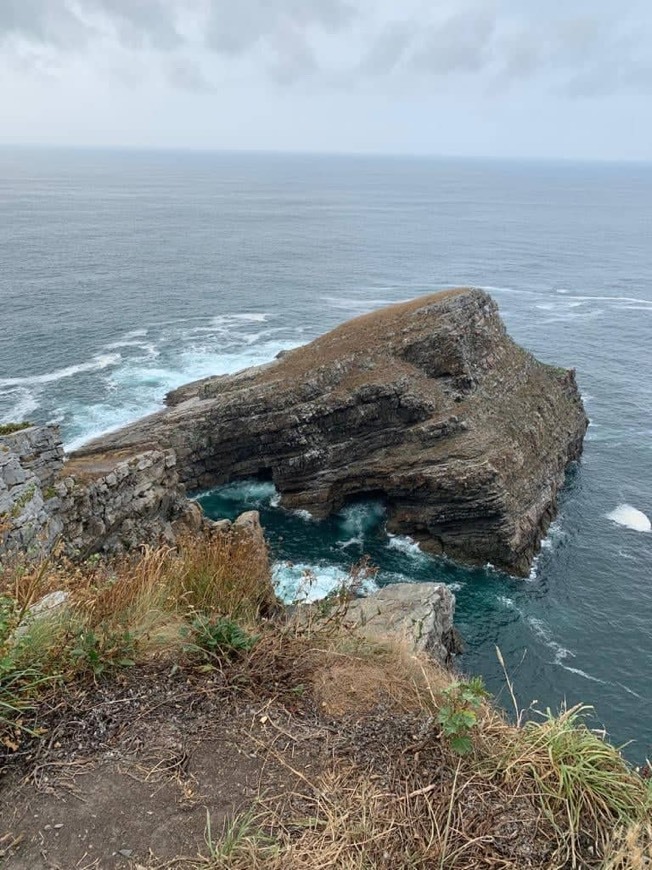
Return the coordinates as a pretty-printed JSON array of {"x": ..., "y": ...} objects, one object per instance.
[{"x": 126, "y": 274}]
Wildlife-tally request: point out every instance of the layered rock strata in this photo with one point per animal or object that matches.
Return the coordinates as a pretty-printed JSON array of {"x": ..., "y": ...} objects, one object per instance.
[{"x": 428, "y": 405}]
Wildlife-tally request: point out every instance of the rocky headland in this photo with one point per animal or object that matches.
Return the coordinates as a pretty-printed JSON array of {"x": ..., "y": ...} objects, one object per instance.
[{"x": 428, "y": 405}]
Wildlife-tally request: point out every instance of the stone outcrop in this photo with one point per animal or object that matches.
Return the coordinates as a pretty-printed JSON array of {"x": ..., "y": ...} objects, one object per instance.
[
  {"x": 30, "y": 461},
  {"x": 86, "y": 506},
  {"x": 419, "y": 615},
  {"x": 427, "y": 404}
]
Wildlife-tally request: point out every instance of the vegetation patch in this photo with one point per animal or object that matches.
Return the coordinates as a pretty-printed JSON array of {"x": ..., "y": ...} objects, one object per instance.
[
  {"x": 172, "y": 666},
  {"x": 10, "y": 428}
]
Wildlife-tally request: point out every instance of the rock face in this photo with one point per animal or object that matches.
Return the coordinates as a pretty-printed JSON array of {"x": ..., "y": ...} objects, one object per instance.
[
  {"x": 85, "y": 505},
  {"x": 417, "y": 614},
  {"x": 428, "y": 405}
]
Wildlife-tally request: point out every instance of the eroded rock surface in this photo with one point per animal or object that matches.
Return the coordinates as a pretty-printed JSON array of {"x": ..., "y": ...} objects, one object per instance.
[
  {"x": 86, "y": 505},
  {"x": 420, "y": 615},
  {"x": 427, "y": 404}
]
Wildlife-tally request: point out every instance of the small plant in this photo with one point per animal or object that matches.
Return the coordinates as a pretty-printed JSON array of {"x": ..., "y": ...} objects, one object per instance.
[
  {"x": 23, "y": 501},
  {"x": 220, "y": 638},
  {"x": 18, "y": 683},
  {"x": 10, "y": 428},
  {"x": 240, "y": 839},
  {"x": 459, "y": 715},
  {"x": 99, "y": 651}
]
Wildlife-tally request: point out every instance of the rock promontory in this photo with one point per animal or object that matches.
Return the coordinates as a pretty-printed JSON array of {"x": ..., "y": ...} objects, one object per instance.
[{"x": 428, "y": 405}]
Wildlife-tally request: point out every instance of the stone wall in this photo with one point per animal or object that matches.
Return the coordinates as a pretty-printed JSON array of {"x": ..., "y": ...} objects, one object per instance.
[{"x": 87, "y": 507}]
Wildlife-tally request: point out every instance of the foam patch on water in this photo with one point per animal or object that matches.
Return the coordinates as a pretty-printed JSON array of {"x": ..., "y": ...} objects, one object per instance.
[
  {"x": 251, "y": 492},
  {"x": 406, "y": 545},
  {"x": 543, "y": 632},
  {"x": 97, "y": 363},
  {"x": 581, "y": 673},
  {"x": 359, "y": 518},
  {"x": 303, "y": 514},
  {"x": 305, "y": 582},
  {"x": 631, "y": 518},
  {"x": 17, "y": 404},
  {"x": 136, "y": 386}
]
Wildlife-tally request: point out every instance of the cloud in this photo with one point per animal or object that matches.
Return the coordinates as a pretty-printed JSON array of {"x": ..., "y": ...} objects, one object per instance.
[
  {"x": 234, "y": 27},
  {"x": 185, "y": 75},
  {"x": 45, "y": 22},
  {"x": 139, "y": 22},
  {"x": 581, "y": 49}
]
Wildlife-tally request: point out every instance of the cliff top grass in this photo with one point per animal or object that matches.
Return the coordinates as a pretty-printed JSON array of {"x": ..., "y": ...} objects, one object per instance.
[
  {"x": 10, "y": 428},
  {"x": 164, "y": 714}
]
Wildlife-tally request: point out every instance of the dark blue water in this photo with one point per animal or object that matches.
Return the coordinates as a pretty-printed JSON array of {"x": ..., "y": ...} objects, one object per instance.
[{"x": 123, "y": 275}]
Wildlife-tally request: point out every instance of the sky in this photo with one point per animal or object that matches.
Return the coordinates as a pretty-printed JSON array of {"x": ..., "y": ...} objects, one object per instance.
[{"x": 498, "y": 78}]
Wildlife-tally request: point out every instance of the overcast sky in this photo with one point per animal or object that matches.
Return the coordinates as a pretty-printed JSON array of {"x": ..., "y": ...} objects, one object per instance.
[{"x": 550, "y": 78}]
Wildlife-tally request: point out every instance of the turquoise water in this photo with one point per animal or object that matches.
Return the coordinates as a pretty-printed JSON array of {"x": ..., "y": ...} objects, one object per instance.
[{"x": 123, "y": 275}]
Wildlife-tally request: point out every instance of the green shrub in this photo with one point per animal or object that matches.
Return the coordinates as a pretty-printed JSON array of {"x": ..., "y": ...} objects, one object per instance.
[
  {"x": 102, "y": 649},
  {"x": 221, "y": 638},
  {"x": 459, "y": 715}
]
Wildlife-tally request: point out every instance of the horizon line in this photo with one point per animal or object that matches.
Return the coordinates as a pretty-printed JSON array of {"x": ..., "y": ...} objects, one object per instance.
[{"x": 279, "y": 152}]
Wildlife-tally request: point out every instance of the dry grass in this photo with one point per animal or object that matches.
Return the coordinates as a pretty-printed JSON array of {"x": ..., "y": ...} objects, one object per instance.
[
  {"x": 631, "y": 849},
  {"x": 544, "y": 795}
]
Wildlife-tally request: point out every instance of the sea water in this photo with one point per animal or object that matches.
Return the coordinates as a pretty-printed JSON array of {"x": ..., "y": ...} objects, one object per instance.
[{"x": 124, "y": 275}]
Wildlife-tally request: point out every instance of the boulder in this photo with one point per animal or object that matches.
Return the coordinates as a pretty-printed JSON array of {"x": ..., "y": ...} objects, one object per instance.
[{"x": 419, "y": 615}]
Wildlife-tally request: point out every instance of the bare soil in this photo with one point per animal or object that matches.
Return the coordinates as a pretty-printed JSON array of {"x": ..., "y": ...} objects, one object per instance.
[{"x": 128, "y": 772}]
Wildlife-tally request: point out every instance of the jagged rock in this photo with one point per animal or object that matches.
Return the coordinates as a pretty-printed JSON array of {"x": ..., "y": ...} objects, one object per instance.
[
  {"x": 427, "y": 404},
  {"x": 420, "y": 615}
]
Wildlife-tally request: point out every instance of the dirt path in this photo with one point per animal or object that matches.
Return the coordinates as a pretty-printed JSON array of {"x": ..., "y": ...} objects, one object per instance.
[{"x": 133, "y": 788}]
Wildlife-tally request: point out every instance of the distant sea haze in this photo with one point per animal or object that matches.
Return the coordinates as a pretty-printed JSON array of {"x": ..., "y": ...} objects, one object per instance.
[{"x": 124, "y": 275}]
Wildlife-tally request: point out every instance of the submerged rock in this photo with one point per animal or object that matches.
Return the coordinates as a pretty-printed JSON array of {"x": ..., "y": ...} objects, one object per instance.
[{"x": 428, "y": 405}]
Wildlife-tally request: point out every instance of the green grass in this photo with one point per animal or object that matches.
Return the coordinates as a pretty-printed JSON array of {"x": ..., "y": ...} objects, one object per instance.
[{"x": 10, "y": 428}]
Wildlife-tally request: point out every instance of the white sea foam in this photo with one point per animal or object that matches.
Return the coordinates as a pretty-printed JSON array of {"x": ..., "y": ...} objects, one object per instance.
[
  {"x": 255, "y": 492},
  {"x": 136, "y": 386},
  {"x": 303, "y": 581},
  {"x": 230, "y": 319},
  {"x": 534, "y": 568},
  {"x": 21, "y": 402},
  {"x": 407, "y": 545},
  {"x": 631, "y": 518},
  {"x": 99, "y": 362},
  {"x": 149, "y": 348},
  {"x": 582, "y": 673},
  {"x": 303, "y": 514},
  {"x": 352, "y": 542},
  {"x": 543, "y": 633},
  {"x": 361, "y": 516}
]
